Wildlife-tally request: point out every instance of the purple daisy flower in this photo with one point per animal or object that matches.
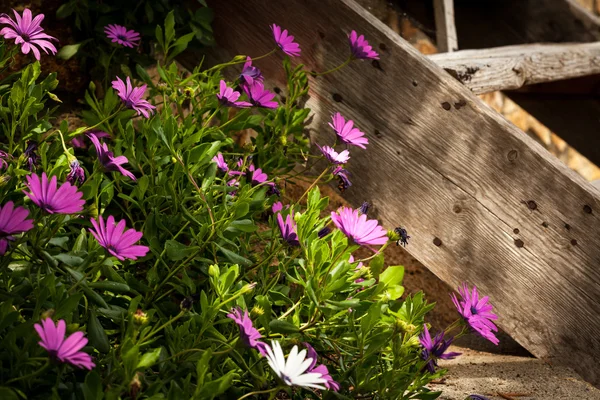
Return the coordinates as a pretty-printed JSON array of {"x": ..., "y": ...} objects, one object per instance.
[
  {"x": 333, "y": 156},
  {"x": 228, "y": 97},
  {"x": 76, "y": 175},
  {"x": 119, "y": 34},
  {"x": 116, "y": 239},
  {"x": 132, "y": 97},
  {"x": 78, "y": 141},
  {"x": 435, "y": 349},
  {"x": 346, "y": 131},
  {"x": 220, "y": 161},
  {"x": 248, "y": 333},
  {"x": 259, "y": 96},
  {"x": 258, "y": 176},
  {"x": 27, "y": 32},
  {"x": 360, "y": 47},
  {"x": 250, "y": 73},
  {"x": 64, "y": 200},
  {"x": 276, "y": 207},
  {"x": 343, "y": 178},
  {"x": 4, "y": 157},
  {"x": 329, "y": 383},
  {"x": 288, "y": 229},
  {"x": 476, "y": 397},
  {"x": 108, "y": 159},
  {"x": 31, "y": 157},
  {"x": 233, "y": 183},
  {"x": 357, "y": 228},
  {"x": 12, "y": 220},
  {"x": 285, "y": 41},
  {"x": 477, "y": 312},
  {"x": 66, "y": 350}
]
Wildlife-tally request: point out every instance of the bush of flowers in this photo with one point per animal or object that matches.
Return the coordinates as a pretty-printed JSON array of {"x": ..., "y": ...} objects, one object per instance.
[{"x": 147, "y": 254}]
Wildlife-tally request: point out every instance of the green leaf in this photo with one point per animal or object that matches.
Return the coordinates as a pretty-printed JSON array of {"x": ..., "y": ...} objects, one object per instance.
[
  {"x": 376, "y": 265},
  {"x": 149, "y": 359},
  {"x": 279, "y": 326},
  {"x": 234, "y": 258},
  {"x": 92, "y": 387},
  {"x": 177, "y": 251},
  {"x": 169, "y": 28},
  {"x": 217, "y": 387},
  {"x": 71, "y": 261},
  {"x": 68, "y": 51},
  {"x": 243, "y": 225},
  {"x": 66, "y": 307},
  {"x": 110, "y": 286},
  {"x": 97, "y": 334},
  {"x": 7, "y": 393},
  {"x": 392, "y": 275}
]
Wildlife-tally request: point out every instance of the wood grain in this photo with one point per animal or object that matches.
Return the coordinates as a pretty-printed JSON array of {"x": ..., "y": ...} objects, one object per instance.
[
  {"x": 511, "y": 67},
  {"x": 446, "y": 38},
  {"x": 444, "y": 165}
]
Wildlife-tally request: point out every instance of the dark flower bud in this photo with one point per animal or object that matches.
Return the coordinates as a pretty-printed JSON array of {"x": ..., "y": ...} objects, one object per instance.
[
  {"x": 364, "y": 209},
  {"x": 186, "y": 304},
  {"x": 30, "y": 154},
  {"x": 324, "y": 232}
]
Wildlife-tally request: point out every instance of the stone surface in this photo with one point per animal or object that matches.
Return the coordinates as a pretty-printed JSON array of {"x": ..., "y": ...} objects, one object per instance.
[{"x": 507, "y": 377}]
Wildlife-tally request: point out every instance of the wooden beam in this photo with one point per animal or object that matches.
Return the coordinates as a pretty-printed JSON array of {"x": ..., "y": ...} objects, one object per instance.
[
  {"x": 446, "y": 38},
  {"x": 483, "y": 202},
  {"x": 512, "y": 67}
]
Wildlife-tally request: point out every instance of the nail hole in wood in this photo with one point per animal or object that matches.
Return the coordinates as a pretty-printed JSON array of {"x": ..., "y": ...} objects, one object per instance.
[
  {"x": 415, "y": 83},
  {"x": 574, "y": 242},
  {"x": 512, "y": 155},
  {"x": 545, "y": 224},
  {"x": 437, "y": 241},
  {"x": 516, "y": 231},
  {"x": 378, "y": 133},
  {"x": 568, "y": 227},
  {"x": 456, "y": 208},
  {"x": 587, "y": 209},
  {"x": 531, "y": 205},
  {"x": 277, "y": 90},
  {"x": 321, "y": 34},
  {"x": 337, "y": 97},
  {"x": 461, "y": 103},
  {"x": 446, "y": 106},
  {"x": 382, "y": 47},
  {"x": 375, "y": 64},
  {"x": 519, "y": 243}
]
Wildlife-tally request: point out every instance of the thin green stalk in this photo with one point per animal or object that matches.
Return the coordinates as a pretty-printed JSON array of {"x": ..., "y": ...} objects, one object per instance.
[{"x": 342, "y": 65}]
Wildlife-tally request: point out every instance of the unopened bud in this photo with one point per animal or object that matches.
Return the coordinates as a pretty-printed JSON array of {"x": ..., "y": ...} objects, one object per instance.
[
  {"x": 413, "y": 342},
  {"x": 140, "y": 317},
  {"x": 135, "y": 386},
  {"x": 257, "y": 310},
  {"x": 213, "y": 271}
]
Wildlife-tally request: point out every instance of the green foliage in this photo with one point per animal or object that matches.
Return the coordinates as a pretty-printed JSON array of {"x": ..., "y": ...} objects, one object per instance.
[{"x": 157, "y": 326}]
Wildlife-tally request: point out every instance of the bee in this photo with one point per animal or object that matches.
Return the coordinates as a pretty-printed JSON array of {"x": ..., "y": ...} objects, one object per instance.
[{"x": 403, "y": 236}]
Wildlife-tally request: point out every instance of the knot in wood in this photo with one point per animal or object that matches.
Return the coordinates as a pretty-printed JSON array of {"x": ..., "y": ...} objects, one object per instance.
[
  {"x": 437, "y": 241},
  {"x": 512, "y": 155},
  {"x": 587, "y": 209},
  {"x": 531, "y": 205}
]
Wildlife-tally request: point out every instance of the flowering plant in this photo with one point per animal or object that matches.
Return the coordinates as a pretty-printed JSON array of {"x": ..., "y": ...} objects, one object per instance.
[{"x": 147, "y": 253}]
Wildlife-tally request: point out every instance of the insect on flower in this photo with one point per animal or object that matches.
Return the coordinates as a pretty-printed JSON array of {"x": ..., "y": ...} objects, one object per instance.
[{"x": 403, "y": 236}]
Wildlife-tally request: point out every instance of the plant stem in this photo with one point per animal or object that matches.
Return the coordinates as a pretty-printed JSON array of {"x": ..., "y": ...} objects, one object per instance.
[
  {"x": 313, "y": 184},
  {"x": 35, "y": 373},
  {"x": 342, "y": 65},
  {"x": 260, "y": 392}
]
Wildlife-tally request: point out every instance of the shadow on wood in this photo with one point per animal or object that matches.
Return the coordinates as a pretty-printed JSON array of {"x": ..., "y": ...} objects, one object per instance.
[{"x": 483, "y": 202}]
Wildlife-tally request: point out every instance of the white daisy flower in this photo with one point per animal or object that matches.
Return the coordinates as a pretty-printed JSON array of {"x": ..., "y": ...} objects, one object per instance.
[{"x": 292, "y": 371}]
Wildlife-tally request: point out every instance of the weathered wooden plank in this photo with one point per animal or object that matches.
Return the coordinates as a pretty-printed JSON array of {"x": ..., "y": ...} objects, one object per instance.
[
  {"x": 511, "y": 67},
  {"x": 507, "y": 215},
  {"x": 446, "y": 38}
]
